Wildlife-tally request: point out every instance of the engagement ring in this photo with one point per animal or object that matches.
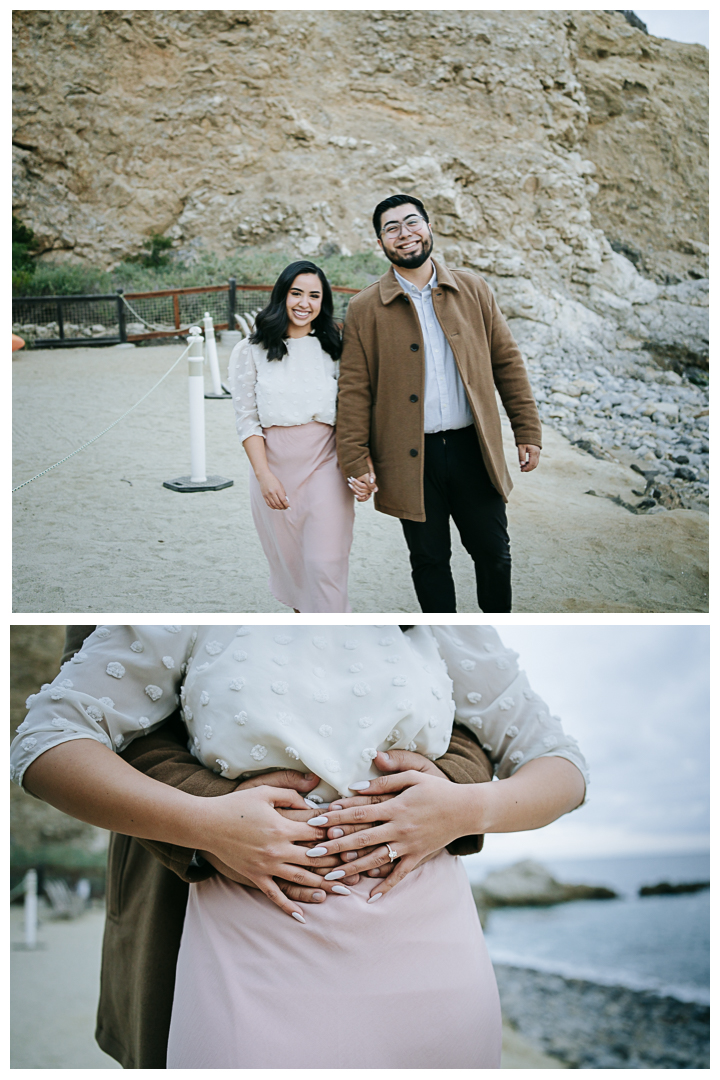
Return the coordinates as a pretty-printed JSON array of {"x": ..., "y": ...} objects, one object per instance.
[{"x": 391, "y": 853}]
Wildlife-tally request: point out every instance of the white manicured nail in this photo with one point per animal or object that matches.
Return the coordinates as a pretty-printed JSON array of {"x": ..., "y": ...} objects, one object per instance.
[
  {"x": 334, "y": 875},
  {"x": 377, "y": 896},
  {"x": 322, "y": 820},
  {"x": 298, "y": 916},
  {"x": 318, "y": 896},
  {"x": 314, "y": 852},
  {"x": 360, "y": 785},
  {"x": 341, "y": 889}
]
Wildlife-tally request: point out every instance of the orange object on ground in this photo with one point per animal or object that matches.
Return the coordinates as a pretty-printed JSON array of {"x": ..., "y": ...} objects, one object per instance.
[{"x": 18, "y": 342}]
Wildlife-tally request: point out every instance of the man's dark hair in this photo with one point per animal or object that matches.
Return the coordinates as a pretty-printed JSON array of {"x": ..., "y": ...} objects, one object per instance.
[
  {"x": 395, "y": 200},
  {"x": 271, "y": 323}
]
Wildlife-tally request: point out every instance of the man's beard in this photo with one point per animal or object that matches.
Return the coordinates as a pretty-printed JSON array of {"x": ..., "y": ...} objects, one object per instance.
[{"x": 413, "y": 261}]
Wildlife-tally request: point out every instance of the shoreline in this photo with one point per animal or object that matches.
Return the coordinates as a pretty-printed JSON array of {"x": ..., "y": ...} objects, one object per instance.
[
  {"x": 684, "y": 994},
  {"x": 590, "y": 1025}
]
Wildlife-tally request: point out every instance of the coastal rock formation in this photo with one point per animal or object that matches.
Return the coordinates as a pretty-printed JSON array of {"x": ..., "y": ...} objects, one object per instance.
[
  {"x": 562, "y": 154},
  {"x": 530, "y": 883},
  {"x": 664, "y": 888},
  {"x": 543, "y": 140},
  {"x": 591, "y": 1026}
]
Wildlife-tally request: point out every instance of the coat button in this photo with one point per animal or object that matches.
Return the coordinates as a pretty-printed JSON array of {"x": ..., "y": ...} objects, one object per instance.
[
  {"x": 413, "y": 453},
  {"x": 414, "y": 348},
  {"x": 413, "y": 397}
]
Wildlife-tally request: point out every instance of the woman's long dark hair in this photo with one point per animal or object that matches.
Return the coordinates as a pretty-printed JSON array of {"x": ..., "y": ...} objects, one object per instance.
[{"x": 271, "y": 323}]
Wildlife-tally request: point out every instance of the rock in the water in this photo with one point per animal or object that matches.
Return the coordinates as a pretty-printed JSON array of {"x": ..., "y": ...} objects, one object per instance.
[
  {"x": 530, "y": 883},
  {"x": 664, "y": 888}
]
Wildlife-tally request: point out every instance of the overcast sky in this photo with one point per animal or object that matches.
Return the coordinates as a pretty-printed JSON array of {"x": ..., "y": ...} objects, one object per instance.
[
  {"x": 690, "y": 26},
  {"x": 636, "y": 698}
]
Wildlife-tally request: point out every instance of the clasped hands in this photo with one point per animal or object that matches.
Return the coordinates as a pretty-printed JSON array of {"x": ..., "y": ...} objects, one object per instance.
[
  {"x": 364, "y": 486},
  {"x": 294, "y": 854}
]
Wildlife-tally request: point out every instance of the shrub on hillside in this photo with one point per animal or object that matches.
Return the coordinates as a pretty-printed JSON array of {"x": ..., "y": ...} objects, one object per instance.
[{"x": 250, "y": 266}]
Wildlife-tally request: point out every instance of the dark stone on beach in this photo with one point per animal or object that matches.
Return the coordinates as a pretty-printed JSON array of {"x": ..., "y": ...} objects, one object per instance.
[
  {"x": 683, "y": 473},
  {"x": 665, "y": 889},
  {"x": 589, "y": 448},
  {"x": 591, "y": 1026},
  {"x": 664, "y": 494},
  {"x": 529, "y": 884}
]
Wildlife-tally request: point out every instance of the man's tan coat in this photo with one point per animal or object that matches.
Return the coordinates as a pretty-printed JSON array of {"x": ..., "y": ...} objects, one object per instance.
[{"x": 382, "y": 382}]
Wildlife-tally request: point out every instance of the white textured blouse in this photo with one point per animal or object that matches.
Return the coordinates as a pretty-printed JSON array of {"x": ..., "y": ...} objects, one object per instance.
[
  {"x": 295, "y": 390},
  {"x": 318, "y": 699}
]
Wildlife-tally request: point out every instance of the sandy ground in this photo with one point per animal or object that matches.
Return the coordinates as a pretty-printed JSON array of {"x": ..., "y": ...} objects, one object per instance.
[
  {"x": 101, "y": 534},
  {"x": 54, "y": 992}
]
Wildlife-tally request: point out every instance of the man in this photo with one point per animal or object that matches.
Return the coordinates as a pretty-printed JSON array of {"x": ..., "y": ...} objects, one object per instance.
[
  {"x": 147, "y": 881},
  {"x": 424, "y": 349}
]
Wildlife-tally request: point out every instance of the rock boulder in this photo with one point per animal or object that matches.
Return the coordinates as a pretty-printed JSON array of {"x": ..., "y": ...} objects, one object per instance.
[{"x": 528, "y": 883}]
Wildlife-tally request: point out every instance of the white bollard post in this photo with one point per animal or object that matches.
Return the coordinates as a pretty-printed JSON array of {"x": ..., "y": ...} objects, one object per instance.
[
  {"x": 31, "y": 909},
  {"x": 197, "y": 481},
  {"x": 196, "y": 384},
  {"x": 212, "y": 356}
]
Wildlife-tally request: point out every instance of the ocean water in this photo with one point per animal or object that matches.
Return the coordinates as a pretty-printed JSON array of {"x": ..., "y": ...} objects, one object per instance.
[{"x": 659, "y": 943}]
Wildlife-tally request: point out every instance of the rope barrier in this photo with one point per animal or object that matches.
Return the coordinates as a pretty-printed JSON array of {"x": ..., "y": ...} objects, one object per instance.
[
  {"x": 109, "y": 428},
  {"x": 152, "y": 326}
]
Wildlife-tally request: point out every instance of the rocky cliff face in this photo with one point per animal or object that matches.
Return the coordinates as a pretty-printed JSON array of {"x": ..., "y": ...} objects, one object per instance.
[{"x": 561, "y": 154}]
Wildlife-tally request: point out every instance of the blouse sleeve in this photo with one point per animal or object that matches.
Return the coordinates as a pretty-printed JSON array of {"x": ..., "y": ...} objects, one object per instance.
[
  {"x": 494, "y": 699},
  {"x": 242, "y": 376},
  {"x": 123, "y": 682}
]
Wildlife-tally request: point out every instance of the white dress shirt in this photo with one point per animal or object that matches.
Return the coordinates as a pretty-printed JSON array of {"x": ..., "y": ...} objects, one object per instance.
[
  {"x": 446, "y": 403},
  {"x": 295, "y": 390},
  {"x": 315, "y": 698}
]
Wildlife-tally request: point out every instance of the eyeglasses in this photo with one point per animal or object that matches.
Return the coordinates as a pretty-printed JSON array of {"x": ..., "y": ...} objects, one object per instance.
[{"x": 413, "y": 224}]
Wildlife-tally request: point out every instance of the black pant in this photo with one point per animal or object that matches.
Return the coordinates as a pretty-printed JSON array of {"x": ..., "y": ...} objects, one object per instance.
[{"x": 457, "y": 485}]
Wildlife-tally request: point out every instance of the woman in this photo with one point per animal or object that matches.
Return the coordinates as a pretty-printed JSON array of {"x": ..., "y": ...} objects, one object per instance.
[
  {"x": 284, "y": 386},
  {"x": 359, "y": 984}
]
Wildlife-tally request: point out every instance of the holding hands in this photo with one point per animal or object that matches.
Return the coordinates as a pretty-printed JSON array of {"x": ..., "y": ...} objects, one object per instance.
[
  {"x": 279, "y": 830},
  {"x": 263, "y": 849},
  {"x": 363, "y": 487},
  {"x": 417, "y": 813}
]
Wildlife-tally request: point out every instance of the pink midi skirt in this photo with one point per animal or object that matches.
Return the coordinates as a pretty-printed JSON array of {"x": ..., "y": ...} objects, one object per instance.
[
  {"x": 405, "y": 983},
  {"x": 307, "y": 546}
]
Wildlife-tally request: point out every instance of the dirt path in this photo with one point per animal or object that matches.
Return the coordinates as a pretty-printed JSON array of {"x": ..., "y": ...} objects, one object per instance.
[{"x": 100, "y": 534}]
